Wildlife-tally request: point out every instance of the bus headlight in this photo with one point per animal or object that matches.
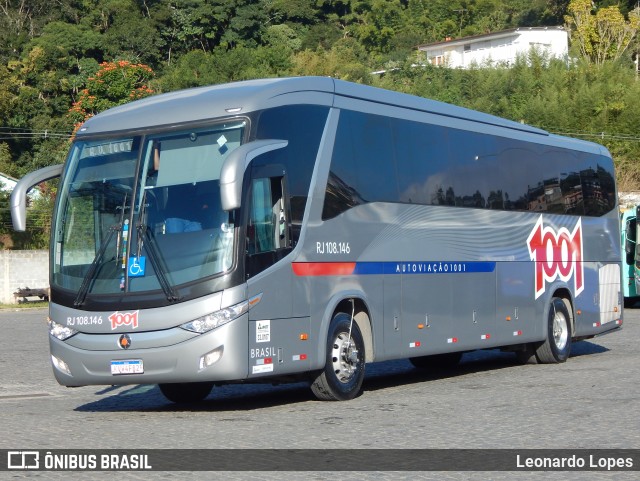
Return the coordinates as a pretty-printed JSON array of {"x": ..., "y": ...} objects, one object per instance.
[
  {"x": 216, "y": 319},
  {"x": 60, "y": 365},
  {"x": 211, "y": 357},
  {"x": 59, "y": 331}
]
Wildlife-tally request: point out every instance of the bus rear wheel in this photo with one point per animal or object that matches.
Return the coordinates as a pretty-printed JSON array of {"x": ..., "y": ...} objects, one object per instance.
[
  {"x": 343, "y": 374},
  {"x": 187, "y": 392},
  {"x": 557, "y": 346}
]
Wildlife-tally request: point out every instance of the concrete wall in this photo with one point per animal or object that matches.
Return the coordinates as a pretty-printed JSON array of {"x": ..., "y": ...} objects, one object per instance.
[{"x": 22, "y": 269}]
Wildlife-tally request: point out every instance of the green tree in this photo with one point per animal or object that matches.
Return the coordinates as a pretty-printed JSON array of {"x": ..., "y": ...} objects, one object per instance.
[
  {"x": 541, "y": 12},
  {"x": 198, "y": 68},
  {"x": 346, "y": 60},
  {"x": 284, "y": 37},
  {"x": 292, "y": 11},
  {"x": 321, "y": 35},
  {"x": 115, "y": 83},
  {"x": 379, "y": 25},
  {"x": 34, "y": 99},
  {"x": 207, "y": 24},
  {"x": 193, "y": 69},
  {"x": 38, "y": 229},
  {"x": 132, "y": 35},
  {"x": 5, "y": 158},
  {"x": 21, "y": 21},
  {"x": 603, "y": 35}
]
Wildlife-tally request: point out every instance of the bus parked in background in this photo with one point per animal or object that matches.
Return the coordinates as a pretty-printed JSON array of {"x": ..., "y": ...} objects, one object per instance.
[
  {"x": 636, "y": 255},
  {"x": 299, "y": 228},
  {"x": 628, "y": 236}
]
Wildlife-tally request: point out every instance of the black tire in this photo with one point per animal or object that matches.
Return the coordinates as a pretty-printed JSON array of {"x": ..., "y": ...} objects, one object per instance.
[
  {"x": 527, "y": 355},
  {"x": 188, "y": 392},
  {"x": 557, "y": 346},
  {"x": 343, "y": 373},
  {"x": 437, "y": 361}
]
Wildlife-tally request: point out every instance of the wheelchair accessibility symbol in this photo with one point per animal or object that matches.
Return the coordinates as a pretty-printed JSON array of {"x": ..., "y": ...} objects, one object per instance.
[{"x": 137, "y": 266}]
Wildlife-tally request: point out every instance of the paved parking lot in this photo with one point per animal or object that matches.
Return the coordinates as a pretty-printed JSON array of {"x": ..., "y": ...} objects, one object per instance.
[{"x": 592, "y": 401}]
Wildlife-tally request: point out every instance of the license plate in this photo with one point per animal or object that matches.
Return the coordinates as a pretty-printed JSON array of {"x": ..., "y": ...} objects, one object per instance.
[{"x": 130, "y": 366}]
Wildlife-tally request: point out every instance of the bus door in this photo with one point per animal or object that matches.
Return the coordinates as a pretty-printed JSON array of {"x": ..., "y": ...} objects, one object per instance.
[
  {"x": 636, "y": 269},
  {"x": 628, "y": 235},
  {"x": 276, "y": 341}
]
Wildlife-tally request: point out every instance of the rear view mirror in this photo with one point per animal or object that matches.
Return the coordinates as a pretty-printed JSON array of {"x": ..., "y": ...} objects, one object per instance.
[
  {"x": 19, "y": 194},
  {"x": 235, "y": 166}
]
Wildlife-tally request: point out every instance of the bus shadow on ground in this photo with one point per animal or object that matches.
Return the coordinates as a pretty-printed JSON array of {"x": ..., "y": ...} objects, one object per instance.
[{"x": 248, "y": 397}]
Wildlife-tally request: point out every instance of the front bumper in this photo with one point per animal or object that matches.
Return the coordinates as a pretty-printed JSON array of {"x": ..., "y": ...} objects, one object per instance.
[{"x": 168, "y": 356}]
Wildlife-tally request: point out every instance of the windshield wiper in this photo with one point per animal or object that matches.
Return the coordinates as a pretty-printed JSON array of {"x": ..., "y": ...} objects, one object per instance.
[
  {"x": 121, "y": 236},
  {"x": 144, "y": 232},
  {"x": 97, "y": 260},
  {"x": 158, "y": 267}
]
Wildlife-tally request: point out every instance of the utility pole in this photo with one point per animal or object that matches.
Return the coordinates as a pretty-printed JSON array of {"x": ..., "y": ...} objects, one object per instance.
[{"x": 461, "y": 12}]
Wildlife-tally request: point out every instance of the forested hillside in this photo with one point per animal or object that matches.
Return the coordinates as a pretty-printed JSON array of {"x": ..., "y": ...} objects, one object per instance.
[{"x": 62, "y": 60}]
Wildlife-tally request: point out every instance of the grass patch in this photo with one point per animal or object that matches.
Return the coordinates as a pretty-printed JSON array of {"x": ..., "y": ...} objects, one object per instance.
[{"x": 25, "y": 305}]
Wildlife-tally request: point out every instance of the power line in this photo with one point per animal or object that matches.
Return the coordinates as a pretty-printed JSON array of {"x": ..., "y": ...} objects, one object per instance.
[
  {"x": 12, "y": 133},
  {"x": 34, "y": 135},
  {"x": 601, "y": 135},
  {"x": 24, "y": 129}
]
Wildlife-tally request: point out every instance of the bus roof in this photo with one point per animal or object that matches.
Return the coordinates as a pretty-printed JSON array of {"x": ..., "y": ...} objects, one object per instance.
[
  {"x": 205, "y": 103},
  {"x": 214, "y": 101}
]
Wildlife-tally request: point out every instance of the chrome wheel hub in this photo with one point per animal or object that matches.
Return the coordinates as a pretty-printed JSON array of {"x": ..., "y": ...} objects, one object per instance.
[{"x": 344, "y": 357}]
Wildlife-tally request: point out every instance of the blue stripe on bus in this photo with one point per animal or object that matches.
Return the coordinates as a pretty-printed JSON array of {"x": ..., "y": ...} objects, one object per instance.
[
  {"x": 423, "y": 267},
  {"x": 376, "y": 268}
]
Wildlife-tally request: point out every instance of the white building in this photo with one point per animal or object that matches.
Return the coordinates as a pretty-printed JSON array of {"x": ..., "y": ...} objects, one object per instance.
[
  {"x": 499, "y": 47},
  {"x": 7, "y": 182}
]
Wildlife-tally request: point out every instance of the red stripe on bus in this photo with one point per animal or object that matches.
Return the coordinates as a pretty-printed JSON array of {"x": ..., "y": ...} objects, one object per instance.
[{"x": 323, "y": 268}]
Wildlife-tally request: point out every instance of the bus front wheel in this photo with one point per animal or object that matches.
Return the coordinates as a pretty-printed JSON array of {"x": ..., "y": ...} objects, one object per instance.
[
  {"x": 343, "y": 374},
  {"x": 557, "y": 346},
  {"x": 187, "y": 392}
]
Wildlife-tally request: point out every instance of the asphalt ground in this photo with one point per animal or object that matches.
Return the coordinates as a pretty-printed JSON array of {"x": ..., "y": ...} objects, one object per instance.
[{"x": 488, "y": 402}]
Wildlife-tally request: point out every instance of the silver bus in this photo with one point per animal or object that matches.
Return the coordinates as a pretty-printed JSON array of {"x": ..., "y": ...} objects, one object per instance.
[{"x": 299, "y": 228}]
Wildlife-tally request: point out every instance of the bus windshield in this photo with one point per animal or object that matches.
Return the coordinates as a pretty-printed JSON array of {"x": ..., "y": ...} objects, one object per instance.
[{"x": 143, "y": 213}]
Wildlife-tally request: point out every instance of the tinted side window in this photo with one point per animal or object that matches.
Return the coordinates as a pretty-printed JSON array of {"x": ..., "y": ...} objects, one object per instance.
[
  {"x": 302, "y": 126},
  {"x": 473, "y": 166},
  {"x": 598, "y": 186},
  {"x": 342, "y": 185},
  {"x": 436, "y": 165},
  {"x": 374, "y": 158},
  {"x": 362, "y": 165},
  {"x": 571, "y": 189},
  {"x": 422, "y": 154}
]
